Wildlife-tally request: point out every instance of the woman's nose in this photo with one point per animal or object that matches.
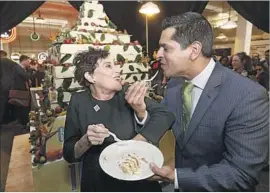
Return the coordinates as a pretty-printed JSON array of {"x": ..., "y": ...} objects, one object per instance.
[{"x": 117, "y": 69}]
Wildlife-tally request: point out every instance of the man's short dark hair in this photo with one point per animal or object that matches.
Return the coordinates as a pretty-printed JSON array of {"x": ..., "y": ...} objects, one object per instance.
[
  {"x": 191, "y": 27},
  {"x": 3, "y": 54},
  {"x": 86, "y": 61},
  {"x": 23, "y": 57}
]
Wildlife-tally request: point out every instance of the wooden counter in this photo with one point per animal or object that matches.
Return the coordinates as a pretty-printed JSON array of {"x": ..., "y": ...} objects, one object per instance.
[{"x": 20, "y": 178}]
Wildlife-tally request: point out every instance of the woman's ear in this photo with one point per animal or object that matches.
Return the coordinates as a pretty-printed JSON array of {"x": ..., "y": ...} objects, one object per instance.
[{"x": 89, "y": 77}]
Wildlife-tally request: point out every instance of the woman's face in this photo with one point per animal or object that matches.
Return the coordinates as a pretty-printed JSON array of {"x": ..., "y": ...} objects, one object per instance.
[
  {"x": 107, "y": 75},
  {"x": 236, "y": 62}
]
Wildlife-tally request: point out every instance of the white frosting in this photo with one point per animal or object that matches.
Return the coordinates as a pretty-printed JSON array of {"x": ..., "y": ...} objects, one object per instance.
[
  {"x": 109, "y": 38},
  {"x": 97, "y": 10},
  {"x": 130, "y": 71},
  {"x": 58, "y": 82},
  {"x": 67, "y": 74},
  {"x": 73, "y": 49},
  {"x": 137, "y": 68},
  {"x": 96, "y": 21},
  {"x": 94, "y": 28},
  {"x": 131, "y": 78}
]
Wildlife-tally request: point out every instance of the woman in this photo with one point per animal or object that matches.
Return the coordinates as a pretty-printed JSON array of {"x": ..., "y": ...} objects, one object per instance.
[
  {"x": 241, "y": 64},
  {"x": 225, "y": 61},
  {"x": 105, "y": 107}
]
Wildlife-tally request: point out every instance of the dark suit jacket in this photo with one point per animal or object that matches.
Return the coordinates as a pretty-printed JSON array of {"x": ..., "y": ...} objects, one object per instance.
[
  {"x": 21, "y": 77},
  {"x": 6, "y": 68},
  {"x": 226, "y": 144}
]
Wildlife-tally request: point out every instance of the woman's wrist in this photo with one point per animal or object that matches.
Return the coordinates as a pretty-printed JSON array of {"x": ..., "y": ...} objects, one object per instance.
[{"x": 82, "y": 146}]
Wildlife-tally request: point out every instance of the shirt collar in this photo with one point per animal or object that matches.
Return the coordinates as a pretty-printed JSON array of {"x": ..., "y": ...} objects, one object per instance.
[{"x": 201, "y": 79}]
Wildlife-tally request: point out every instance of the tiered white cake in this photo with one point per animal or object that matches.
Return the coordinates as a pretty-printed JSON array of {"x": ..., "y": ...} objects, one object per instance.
[{"x": 95, "y": 30}]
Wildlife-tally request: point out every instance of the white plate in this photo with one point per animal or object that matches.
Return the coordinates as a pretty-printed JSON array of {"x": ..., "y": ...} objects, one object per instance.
[{"x": 115, "y": 153}]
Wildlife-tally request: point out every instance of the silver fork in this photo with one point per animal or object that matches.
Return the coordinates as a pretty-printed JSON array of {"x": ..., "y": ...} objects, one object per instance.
[
  {"x": 114, "y": 136},
  {"x": 148, "y": 82},
  {"x": 152, "y": 77}
]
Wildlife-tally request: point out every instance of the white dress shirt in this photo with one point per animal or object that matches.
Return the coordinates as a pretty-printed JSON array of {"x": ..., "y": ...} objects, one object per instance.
[{"x": 199, "y": 83}]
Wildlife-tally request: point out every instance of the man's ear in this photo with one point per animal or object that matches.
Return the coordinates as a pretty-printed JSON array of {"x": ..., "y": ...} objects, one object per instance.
[
  {"x": 89, "y": 77},
  {"x": 196, "y": 48}
]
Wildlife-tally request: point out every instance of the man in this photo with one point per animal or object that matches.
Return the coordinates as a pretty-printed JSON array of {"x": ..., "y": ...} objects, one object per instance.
[
  {"x": 6, "y": 67},
  {"x": 221, "y": 126},
  {"x": 21, "y": 81},
  {"x": 263, "y": 77}
]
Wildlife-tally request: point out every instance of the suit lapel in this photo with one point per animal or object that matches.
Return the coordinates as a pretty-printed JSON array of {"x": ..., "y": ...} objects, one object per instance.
[{"x": 207, "y": 97}]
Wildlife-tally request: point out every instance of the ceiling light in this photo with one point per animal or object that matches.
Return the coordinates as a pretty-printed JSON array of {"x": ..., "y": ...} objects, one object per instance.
[
  {"x": 229, "y": 25},
  {"x": 221, "y": 36},
  {"x": 223, "y": 15},
  {"x": 149, "y": 8}
]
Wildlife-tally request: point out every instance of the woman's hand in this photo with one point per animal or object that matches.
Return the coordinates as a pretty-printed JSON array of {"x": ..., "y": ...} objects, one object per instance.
[
  {"x": 135, "y": 97},
  {"x": 97, "y": 133}
]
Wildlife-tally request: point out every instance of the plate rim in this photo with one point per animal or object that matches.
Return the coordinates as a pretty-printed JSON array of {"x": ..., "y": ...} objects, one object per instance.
[{"x": 135, "y": 141}]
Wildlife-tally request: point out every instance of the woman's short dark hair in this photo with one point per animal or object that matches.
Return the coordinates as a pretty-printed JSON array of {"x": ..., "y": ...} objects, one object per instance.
[
  {"x": 86, "y": 61},
  {"x": 191, "y": 27}
]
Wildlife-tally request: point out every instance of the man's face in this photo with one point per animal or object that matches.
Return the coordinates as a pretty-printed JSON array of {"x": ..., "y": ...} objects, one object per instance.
[
  {"x": 174, "y": 60},
  {"x": 26, "y": 63}
]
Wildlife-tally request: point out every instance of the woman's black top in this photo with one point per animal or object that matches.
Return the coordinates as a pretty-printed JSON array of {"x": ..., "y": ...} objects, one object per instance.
[{"x": 116, "y": 115}]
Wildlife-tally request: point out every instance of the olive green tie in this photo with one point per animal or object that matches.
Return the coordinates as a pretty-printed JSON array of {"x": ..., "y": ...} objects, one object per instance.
[{"x": 187, "y": 104}]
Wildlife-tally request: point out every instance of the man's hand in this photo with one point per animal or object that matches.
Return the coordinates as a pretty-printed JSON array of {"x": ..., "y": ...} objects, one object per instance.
[
  {"x": 166, "y": 173},
  {"x": 135, "y": 98}
]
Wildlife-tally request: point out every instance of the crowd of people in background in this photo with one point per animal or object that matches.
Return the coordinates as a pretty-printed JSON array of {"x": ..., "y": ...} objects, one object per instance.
[
  {"x": 250, "y": 67},
  {"x": 254, "y": 68},
  {"x": 19, "y": 77}
]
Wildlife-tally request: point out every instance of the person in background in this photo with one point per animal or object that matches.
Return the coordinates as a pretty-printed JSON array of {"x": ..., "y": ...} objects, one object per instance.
[
  {"x": 106, "y": 106},
  {"x": 39, "y": 76},
  {"x": 241, "y": 63},
  {"x": 225, "y": 61},
  {"x": 255, "y": 60},
  {"x": 263, "y": 75},
  {"x": 22, "y": 75},
  {"x": 222, "y": 118},
  {"x": 6, "y": 67}
]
